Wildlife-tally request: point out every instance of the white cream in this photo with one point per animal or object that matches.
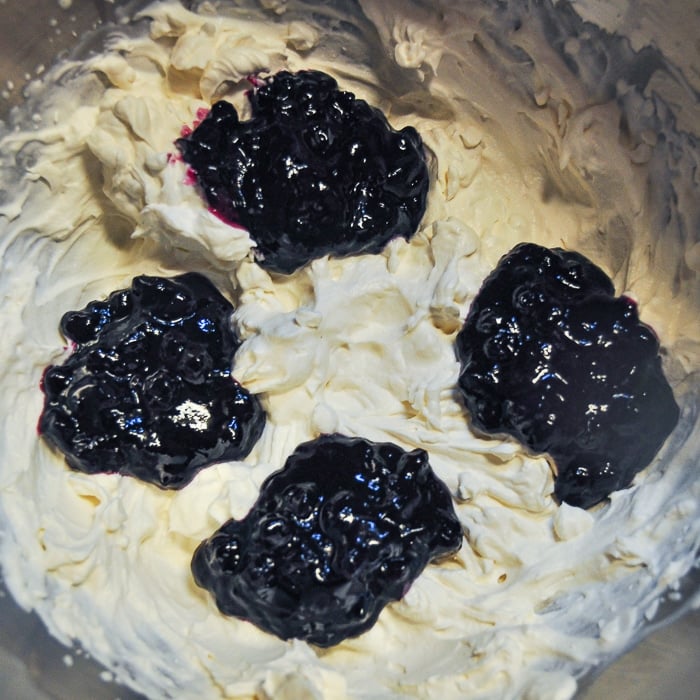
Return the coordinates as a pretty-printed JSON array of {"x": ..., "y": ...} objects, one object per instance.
[{"x": 363, "y": 345}]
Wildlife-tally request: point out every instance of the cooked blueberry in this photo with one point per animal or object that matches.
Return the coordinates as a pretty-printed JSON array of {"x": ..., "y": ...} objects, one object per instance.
[
  {"x": 550, "y": 356},
  {"x": 343, "y": 529},
  {"x": 148, "y": 389},
  {"x": 315, "y": 171}
]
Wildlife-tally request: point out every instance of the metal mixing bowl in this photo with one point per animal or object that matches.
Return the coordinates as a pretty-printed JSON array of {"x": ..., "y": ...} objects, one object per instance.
[{"x": 33, "y": 666}]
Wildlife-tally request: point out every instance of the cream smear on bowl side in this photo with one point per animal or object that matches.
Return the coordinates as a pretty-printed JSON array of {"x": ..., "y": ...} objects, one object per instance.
[{"x": 519, "y": 150}]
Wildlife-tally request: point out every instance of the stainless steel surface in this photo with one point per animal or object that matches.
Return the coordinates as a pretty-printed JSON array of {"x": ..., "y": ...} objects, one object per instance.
[
  {"x": 663, "y": 667},
  {"x": 33, "y": 666},
  {"x": 34, "y": 32}
]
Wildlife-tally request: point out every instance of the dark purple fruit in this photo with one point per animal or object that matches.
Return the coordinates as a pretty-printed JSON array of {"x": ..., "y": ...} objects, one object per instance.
[
  {"x": 343, "y": 529},
  {"x": 148, "y": 390},
  {"x": 550, "y": 356},
  {"x": 315, "y": 171}
]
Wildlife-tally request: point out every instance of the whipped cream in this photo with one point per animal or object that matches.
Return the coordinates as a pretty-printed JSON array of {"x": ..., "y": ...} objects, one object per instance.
[{"x": 94, "y": 194}]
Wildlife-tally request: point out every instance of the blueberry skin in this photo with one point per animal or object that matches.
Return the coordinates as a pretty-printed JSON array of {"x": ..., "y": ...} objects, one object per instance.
[
  {"x": 550, "y": 356},
  {"x": 315, "y": 171},
  {"x": 148, "y": 390},
  {"x": 344, "y": 528}
]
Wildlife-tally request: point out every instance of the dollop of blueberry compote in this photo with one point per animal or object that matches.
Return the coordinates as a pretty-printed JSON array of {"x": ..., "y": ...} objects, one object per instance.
[
  {"x": 550, "y": 356},
  {"x": 344, "y": 528},
  {"x": 315, "y": 171},
  {"x": 148, "y": 389}
]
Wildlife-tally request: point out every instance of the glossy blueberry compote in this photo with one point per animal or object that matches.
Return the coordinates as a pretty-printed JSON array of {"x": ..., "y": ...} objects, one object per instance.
[
  {"x": 148, "y": 389},
  {"x": 552, "y": 357},
  {"x": 314, "y": 171},
  {"x": 343, "y": 529}
]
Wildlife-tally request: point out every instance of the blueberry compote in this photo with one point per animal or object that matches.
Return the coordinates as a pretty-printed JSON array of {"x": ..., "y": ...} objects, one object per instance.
[
  {"x": 315, "y": 171},
  {"x": 148, "y": 389},
  {"x": 343, "y": 529},
  {"x": 550, "y": 356}
]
